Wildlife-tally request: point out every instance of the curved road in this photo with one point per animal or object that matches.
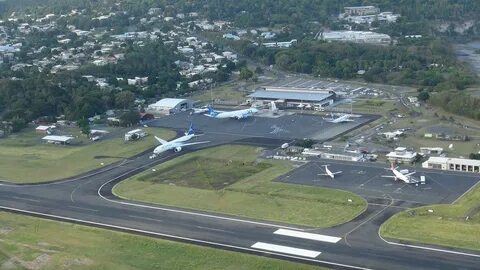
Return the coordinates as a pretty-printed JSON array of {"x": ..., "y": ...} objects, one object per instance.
[{"x": 356, "y": 245}]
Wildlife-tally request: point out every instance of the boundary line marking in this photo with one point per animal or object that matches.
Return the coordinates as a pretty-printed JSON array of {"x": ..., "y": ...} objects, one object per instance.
[{"x": 192, "y": 240}]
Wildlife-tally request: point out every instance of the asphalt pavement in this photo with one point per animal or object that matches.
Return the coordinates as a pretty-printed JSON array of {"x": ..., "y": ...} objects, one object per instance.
[{"x": 88, "y": 200}]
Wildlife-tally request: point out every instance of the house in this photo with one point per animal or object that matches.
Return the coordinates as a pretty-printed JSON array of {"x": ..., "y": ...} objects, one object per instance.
[
  {"x": 402, "y": 155},
  {"x": 146, "y": 116},
  {"x": 44, "y": 129}
]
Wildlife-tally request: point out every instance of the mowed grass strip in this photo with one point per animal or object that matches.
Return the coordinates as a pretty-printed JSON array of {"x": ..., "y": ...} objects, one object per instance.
[
  {"x": 33, "y": 243},
  {"x": 447, "y": 225},
  {"x": 253, "y": 196},
  {"x": 25, "y": 159}
]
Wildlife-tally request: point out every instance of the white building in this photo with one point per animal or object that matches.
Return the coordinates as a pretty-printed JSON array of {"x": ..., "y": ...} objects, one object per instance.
[
  {"x": 452, "y": 164},
  {"x": 284, "y": 44},
  {"x": 402, "y": 155},
  {"x": 346, "y": 156},
  {"x": 431, "y": 150},
  {"x": 139, "y": 133},
  {"x": 170, "y": 105},
  {"x": 54, "y": 139},
  {"x": 356, "y": 37},
  {"x": 361, "y": 10}
]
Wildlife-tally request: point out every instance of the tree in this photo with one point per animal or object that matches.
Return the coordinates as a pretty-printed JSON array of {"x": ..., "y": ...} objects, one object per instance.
[
  {"x": 84, "y": 126},
  {"x": 129, "y": 118},
  {"x": 423, "y": 96},
  {"x": 124, "y": 99},
  {"x": 245, "y": 73},
  {"x": 258, "y": 70}
]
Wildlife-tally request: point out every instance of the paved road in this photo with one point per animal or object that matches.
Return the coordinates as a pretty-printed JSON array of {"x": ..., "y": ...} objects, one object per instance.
[{"x": 88, "y": 200}]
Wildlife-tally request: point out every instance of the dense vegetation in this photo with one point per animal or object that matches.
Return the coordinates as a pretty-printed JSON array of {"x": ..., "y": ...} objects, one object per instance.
[
  {"x": 36, "y": 94},
  {"x": 429, "y": 63}
]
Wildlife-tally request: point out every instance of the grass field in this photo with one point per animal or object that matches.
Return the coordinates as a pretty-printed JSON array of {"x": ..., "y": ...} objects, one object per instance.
[
  {"x": 24, "y": 158},
  {"x": 446, "y": 226},
  {"x": 33, "y": 243},
  {"x": 374, "y": 105},
  {"x": 253, "y": 196},
  {"x": 224, "y": 92}
]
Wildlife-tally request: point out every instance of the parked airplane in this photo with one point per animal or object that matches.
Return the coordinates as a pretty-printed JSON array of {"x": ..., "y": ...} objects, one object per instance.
[
  {"x": 402, "y": 175},
  {"x": 341, "y": 119},
  {"x": 238, "y": 114},
  {"x": 177, "y": 144},
  {"x": 329, "y": 173}
]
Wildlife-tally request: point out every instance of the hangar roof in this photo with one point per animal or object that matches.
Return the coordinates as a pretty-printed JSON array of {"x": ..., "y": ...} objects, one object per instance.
[
  {"x": 168, "y": 102},
  {"x": 301, "y": 96}
]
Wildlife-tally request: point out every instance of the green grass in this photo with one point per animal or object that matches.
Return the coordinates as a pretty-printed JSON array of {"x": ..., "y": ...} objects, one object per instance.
[
  {"x": 24, "y": 158},
  {"x": 446, "y": 226},
  {"x": 224, "y": 92},
  {"x": 44, "y": 244},
  {"x": 254, "y": 196},
  {"x": 377, "y": 106},
  {"x": 204, "y": 172}
]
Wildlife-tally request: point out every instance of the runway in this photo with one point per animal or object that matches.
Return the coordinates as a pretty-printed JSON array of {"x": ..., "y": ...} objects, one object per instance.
[{"x": 88, "y": 200}]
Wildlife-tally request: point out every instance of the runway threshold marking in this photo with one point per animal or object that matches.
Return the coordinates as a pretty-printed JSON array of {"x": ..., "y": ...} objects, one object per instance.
[
  {"x": 310, "y": 236},
  {"x": 287, "y": 250}
]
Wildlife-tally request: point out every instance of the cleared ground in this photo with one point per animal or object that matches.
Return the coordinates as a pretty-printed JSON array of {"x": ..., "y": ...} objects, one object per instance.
[
  {"x": 454, "y": 225},
  {"x": 32, "y": 243},
  {"x": 25, "y": 158},
  {"x": 254, "y": 196}
]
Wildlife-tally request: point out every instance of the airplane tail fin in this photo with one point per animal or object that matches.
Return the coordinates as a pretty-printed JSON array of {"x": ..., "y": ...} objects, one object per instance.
[
  {"x": 190, "y": 131},
  {"x": 211, "y": 111},
  {"x": 273, "y": 106}
]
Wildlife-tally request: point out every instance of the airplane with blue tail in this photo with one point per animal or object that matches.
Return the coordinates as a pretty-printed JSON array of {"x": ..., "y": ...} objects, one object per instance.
[{"x": 238, "y": 114}]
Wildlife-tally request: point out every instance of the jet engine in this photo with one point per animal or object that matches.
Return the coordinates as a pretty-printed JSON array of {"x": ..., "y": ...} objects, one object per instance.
[{"x": 177, "y": 149}]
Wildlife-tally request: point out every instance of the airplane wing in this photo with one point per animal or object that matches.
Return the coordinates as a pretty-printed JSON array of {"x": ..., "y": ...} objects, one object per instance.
[
  {"x": 388, "y": 176},
  {"x": 161, "y": 141},
  {"x": 323, "y": 174},
  {"x": 337, "y": 172},
  {"x": 408, "y": 174},
  {"x": 193, "y": 143}
]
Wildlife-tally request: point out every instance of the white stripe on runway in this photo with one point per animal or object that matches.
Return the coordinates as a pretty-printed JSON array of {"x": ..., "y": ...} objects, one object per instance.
[
  {"x": 311, "y": 236},
  {"x": 286, "y": 250}
]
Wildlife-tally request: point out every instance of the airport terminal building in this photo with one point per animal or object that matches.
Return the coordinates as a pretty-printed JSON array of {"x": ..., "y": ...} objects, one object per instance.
[
  {"x": 452, "y": 164},
  {"x": 293, "y": 96}
]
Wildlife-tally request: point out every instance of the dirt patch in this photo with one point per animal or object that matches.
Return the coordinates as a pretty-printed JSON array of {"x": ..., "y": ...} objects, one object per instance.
[
  {"x": 77, "y": 262},
  {"x": 5, "y": 230}
]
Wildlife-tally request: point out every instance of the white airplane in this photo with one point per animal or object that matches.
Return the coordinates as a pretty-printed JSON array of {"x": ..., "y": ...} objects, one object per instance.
[
  {"x": 402, "y": 175},
  {"x": 176, "y": 145},
  {"x": 329, "y": 173},
  {"x": 238, "y": 114},
  {"x": 341, "y": 119}
]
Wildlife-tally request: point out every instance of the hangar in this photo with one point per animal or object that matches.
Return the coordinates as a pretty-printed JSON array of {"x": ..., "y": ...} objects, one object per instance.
[
  {"x": 170, "y": 106},
  {"x": 294, "y": 96}
]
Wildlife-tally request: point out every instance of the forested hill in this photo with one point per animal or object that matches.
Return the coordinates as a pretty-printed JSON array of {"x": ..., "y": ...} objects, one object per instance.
[{"x": 264, "y": 12}]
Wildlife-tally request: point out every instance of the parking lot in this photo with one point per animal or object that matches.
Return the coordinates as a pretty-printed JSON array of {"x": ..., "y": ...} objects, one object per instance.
[
  {"x": 286, "y": 127},
  {"x": 366, "y": 180},
  {"x": 341, "y": 88}
]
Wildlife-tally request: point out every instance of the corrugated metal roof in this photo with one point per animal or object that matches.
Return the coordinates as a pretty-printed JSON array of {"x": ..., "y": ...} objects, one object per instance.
[
  {"x": 57, "y": 138},
  {"x": 305, "y": 96},
  {"x": 168, "y": 102}
]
